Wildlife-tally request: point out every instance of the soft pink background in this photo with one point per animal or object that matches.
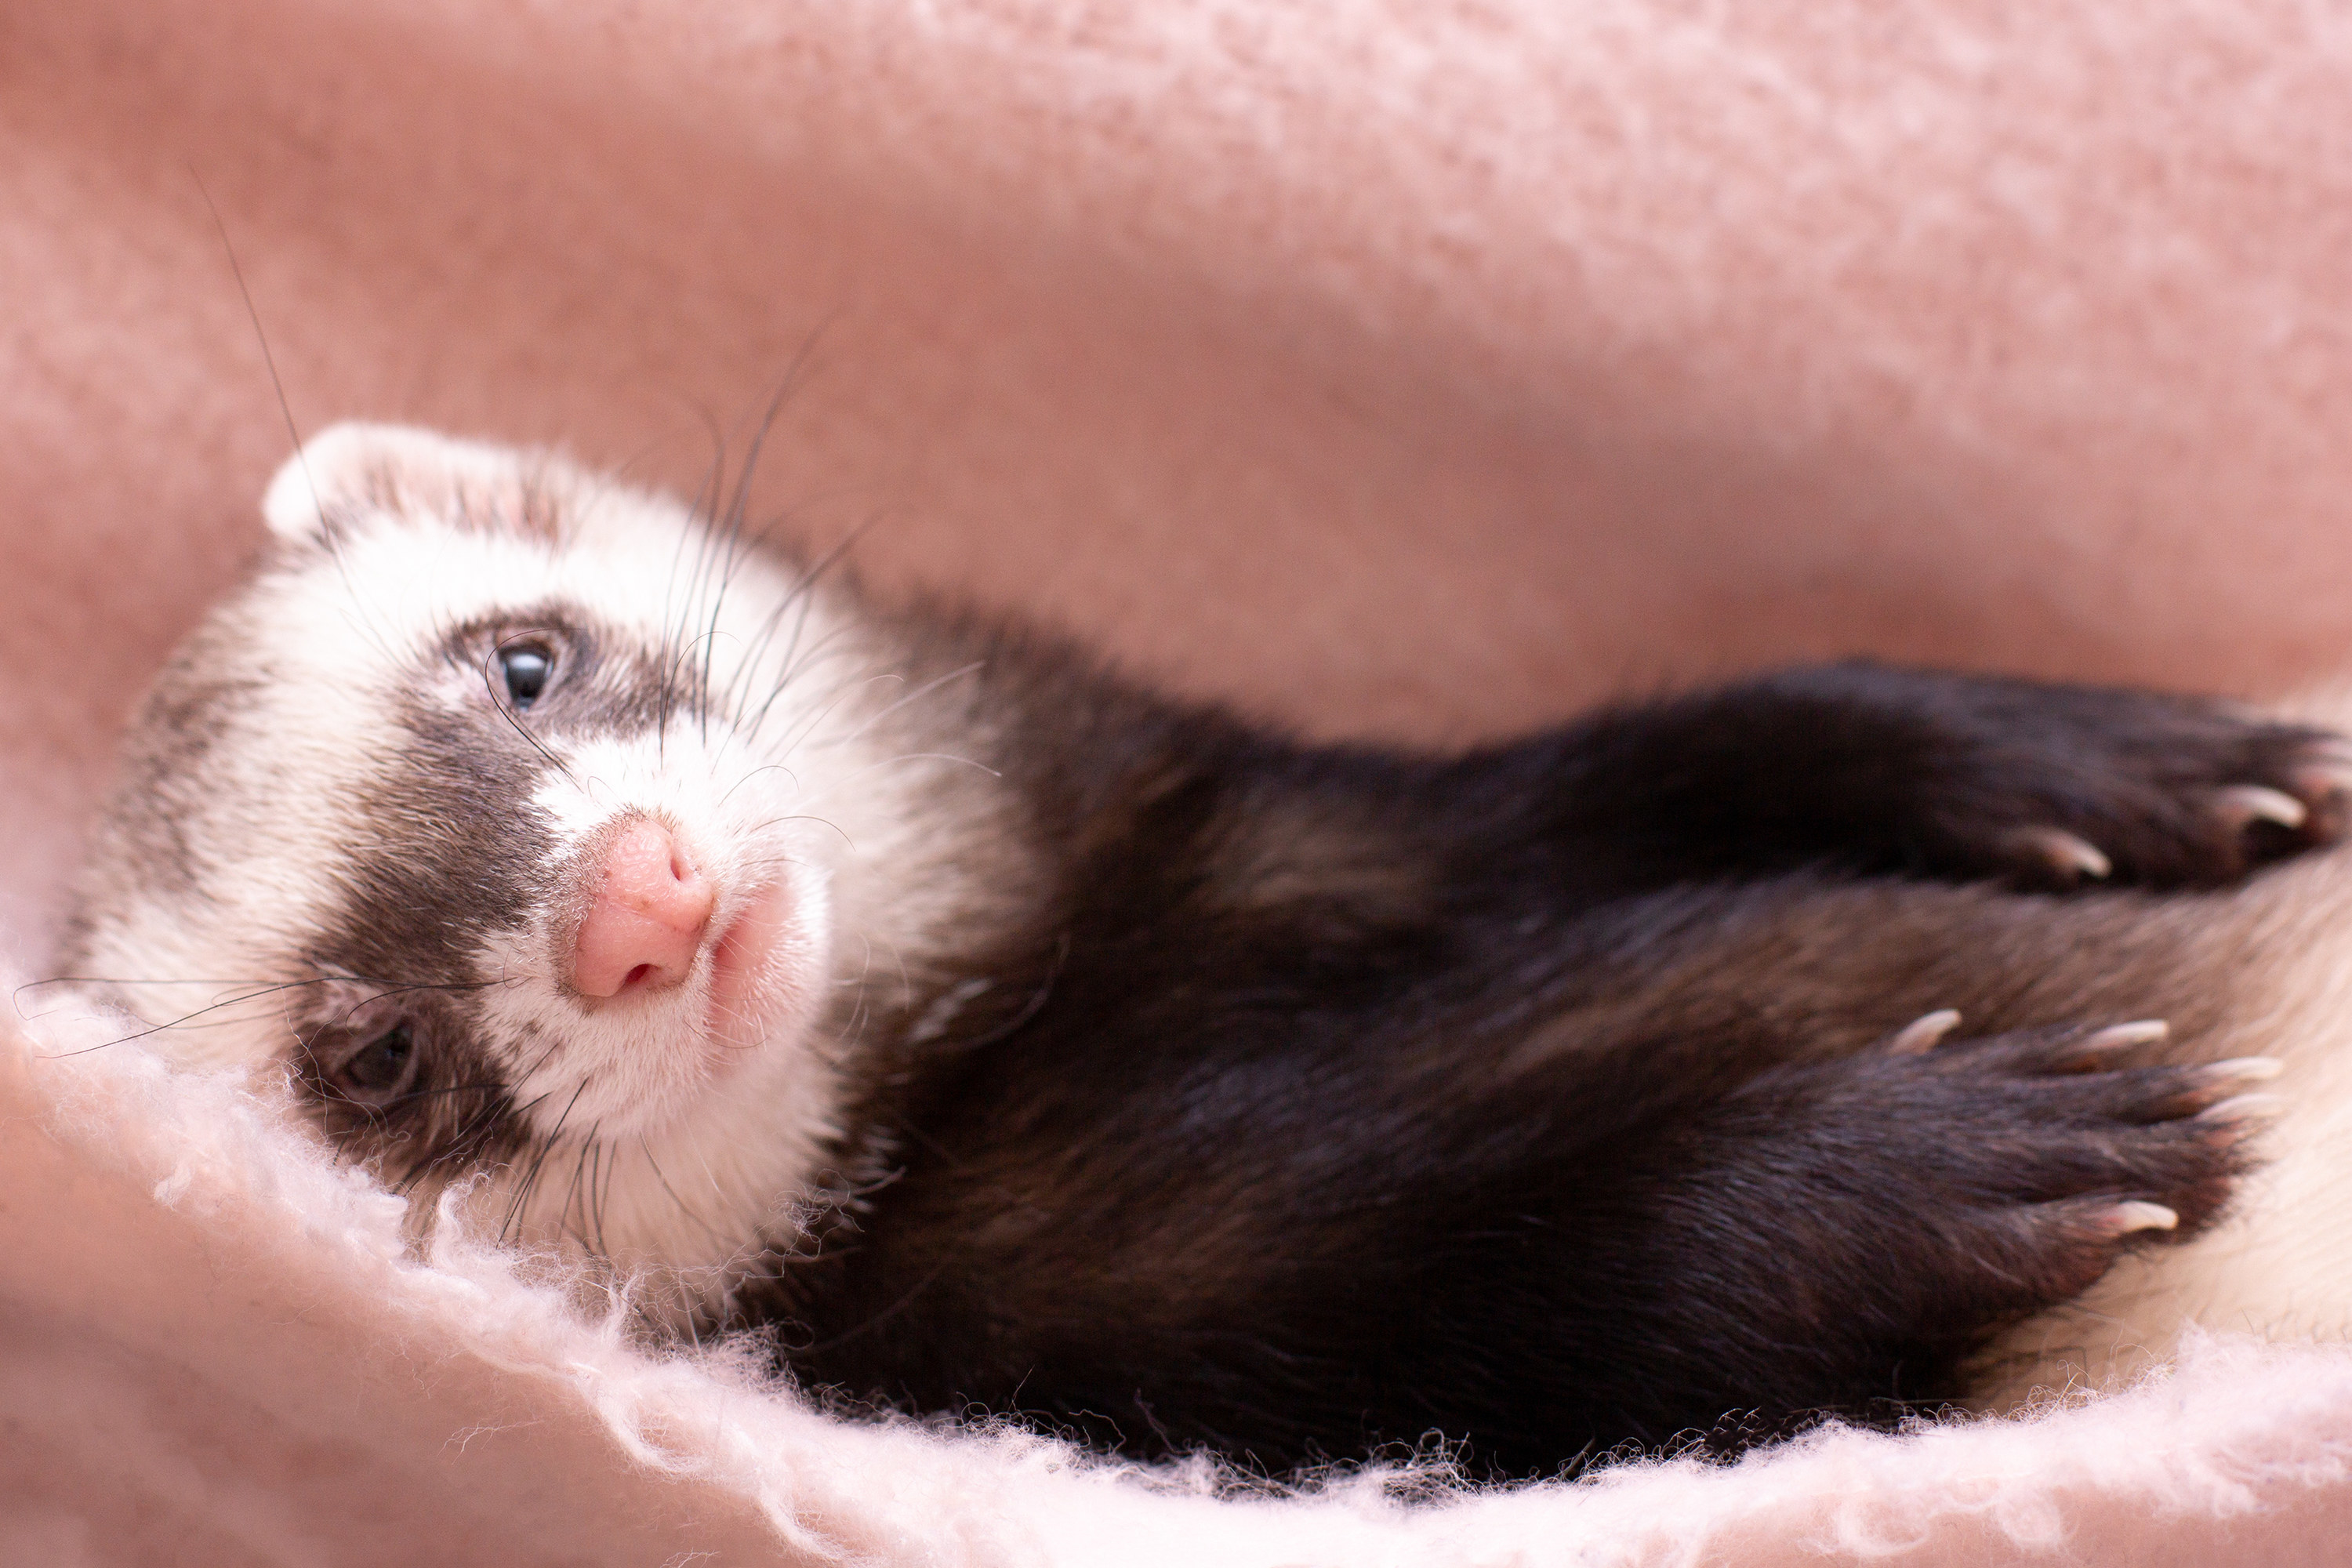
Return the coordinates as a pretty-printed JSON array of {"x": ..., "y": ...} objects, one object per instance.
[
  {"x": 1425, "y": 368},
  {"x": 1421, "y": 368}
]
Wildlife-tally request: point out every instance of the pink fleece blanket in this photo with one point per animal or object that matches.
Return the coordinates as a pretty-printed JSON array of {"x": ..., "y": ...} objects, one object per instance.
[{"x": 1421, "y": 370}]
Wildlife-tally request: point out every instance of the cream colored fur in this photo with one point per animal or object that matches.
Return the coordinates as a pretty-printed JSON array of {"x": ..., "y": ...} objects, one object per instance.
[{"x": 2279, "y": 1264}]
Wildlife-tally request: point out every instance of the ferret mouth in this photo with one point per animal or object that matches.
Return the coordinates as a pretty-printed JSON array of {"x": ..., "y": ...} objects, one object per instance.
[{"x": 751, "y": 986}]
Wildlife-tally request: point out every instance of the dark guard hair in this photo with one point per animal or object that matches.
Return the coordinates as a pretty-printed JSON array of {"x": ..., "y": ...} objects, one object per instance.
[{"x": 1338, "y": 1097}]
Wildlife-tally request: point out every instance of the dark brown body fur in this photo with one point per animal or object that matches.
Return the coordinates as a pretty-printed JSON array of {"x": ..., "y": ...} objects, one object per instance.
[{"x": 1335, "y": 1098}]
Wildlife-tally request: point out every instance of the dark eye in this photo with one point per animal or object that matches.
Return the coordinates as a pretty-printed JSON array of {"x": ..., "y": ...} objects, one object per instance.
[
  {"x": 525, "y": 667},
  {"x": 379, "y": 1068}
]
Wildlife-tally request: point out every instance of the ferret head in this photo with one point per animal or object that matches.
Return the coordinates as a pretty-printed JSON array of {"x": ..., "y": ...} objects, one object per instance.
[{"x": 530, "y": 826}]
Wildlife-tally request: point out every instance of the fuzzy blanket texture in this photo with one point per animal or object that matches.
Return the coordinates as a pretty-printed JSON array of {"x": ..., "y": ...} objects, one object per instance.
[
  {"x": 220, "y": 1352},
  {"x": 1421, "y": 369}
]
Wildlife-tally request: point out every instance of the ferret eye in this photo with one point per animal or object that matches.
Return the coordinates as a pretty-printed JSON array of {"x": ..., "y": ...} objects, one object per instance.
[
  {"x": 525, "y": 667},
  {"x": 380, "y": 1068}
]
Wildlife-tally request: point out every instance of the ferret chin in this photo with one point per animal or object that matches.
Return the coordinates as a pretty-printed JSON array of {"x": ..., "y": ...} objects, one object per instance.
[{"x": 999, "y": 1035}]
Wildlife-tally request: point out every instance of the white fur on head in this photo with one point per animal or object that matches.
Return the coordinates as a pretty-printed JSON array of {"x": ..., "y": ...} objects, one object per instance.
[
  {"x": 351, "y": 469},
  {"x": 242, "y": 835}
]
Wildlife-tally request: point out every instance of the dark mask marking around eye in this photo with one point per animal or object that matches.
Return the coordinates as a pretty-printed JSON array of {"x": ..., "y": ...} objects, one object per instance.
[
  {"x": 558, "y": 663},
  {"x": 395, "y": 1080}
]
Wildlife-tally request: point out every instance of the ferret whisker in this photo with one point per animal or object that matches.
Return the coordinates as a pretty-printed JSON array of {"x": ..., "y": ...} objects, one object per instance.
[
  {"x": 903, "y": 757},
  {"x": 802, "y": 593},
  {"x": 269, "y": 361},
  {"x": 529, "y": 1184},
  {"x": 869, "y": 1324},
  {"x": 575, "y": 1197},
  {"x": 595, "y": 1189},
  {"x": 757, "y": 647},
  {"x": 417, "y": 1096},
  {"x": 193, "y": 980},
  {"x": 389, "y": 990},
  {"x": 183, "y": 1021},
  {"x": 682, "y": 659},
  {"x": 723, "y": 542},
  {"x": 816, "y": 714},
  {"x": 787, "y": 383},
  {"x": 832, "y": 645},
  {"x": 925, "y": 689},
  {"x": 17, "y": 994},
  {"x": 738, "y": 505},
  {"x": 514, "y": 720},
  {"x": 677, "y": 1200},
  {"x": 788, "y": 668},
  {"x": 704, "y": 501},
  {"x": 300, "y": 453},
  {"x": 755, "y": 773}
]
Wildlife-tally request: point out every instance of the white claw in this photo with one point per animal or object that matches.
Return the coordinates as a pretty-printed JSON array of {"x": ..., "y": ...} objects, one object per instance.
[
  {"x": 2077, "y": 856},
  {"x": 2244, "y": 1108},
  {"x": 2116, "y": 1037},
  {"x": 2127, "y": 1217},
  {"x": 2244, "y": 804},
  {"x": 1919, "y": 1037},
  {"x": 2247, "y": 1070}
]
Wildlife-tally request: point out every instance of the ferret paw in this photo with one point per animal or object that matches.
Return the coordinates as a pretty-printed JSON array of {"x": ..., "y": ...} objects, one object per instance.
[
  {"x": 2125, "y": 788},
  {"x": 2043, "y": 1154},
  {"x": 1920, "y": 1196}
]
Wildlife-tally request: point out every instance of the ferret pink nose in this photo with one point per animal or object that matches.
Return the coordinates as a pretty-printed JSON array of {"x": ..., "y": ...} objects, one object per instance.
[{"x": 646, "y": 922}]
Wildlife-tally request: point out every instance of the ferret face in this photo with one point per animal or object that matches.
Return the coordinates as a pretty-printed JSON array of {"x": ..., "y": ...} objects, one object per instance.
[{"x": 519, "y": 817}]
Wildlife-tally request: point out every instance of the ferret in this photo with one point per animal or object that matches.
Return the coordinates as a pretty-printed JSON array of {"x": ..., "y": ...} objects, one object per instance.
[{"x": 997, "y": 1036}]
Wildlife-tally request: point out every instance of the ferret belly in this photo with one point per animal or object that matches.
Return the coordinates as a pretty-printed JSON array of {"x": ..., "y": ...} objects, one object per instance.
[{"x": 2278, "y": 1264}]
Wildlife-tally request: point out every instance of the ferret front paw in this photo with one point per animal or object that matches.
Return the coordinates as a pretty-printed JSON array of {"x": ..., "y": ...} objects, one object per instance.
[
  {"x": 2041, "y": 1155},
  {"x": 2129, "y": 788},
  {"x": 1893, "y": 1210}
]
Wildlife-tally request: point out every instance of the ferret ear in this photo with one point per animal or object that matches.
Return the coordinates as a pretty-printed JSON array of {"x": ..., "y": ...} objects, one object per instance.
[{"x": 351, "y": 475}]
